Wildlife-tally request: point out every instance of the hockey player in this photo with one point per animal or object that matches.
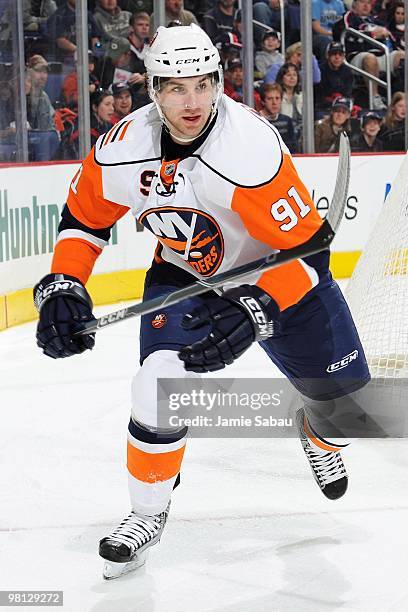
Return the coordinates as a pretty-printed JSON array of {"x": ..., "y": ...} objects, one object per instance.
[{"x": 216, "y": 184}]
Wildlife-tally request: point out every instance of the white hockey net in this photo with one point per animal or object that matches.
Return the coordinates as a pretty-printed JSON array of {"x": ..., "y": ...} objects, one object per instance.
[{"x": 378, "y": 290}]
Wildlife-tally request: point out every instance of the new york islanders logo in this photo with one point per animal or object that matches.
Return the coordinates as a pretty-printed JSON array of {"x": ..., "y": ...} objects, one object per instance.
[
  {"x": 159, "y": 321},
  {"x": 192, "y": 234}
]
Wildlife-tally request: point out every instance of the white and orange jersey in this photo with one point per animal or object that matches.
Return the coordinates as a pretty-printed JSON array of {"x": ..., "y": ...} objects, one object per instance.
[{"x": 236, "y": 198}]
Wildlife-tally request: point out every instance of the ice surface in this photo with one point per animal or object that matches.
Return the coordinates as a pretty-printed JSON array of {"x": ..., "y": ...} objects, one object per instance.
[{"x": 249, "y": 531}]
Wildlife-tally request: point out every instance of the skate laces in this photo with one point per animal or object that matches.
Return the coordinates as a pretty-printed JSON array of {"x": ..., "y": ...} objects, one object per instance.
[
  {"x": 327, "y": 466},
  {"x": 136, "y": 529}
]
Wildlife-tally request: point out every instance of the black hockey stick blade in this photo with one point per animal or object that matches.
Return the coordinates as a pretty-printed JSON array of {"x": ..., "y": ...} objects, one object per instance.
[{"x": 320, "y": 241}]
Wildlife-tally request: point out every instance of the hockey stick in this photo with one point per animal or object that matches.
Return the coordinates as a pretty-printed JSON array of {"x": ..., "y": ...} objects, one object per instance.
[{"x": 320, "y": 241}]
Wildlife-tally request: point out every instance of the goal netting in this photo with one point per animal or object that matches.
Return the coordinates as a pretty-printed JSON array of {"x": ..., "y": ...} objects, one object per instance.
[{"x": 377, "y": 292}]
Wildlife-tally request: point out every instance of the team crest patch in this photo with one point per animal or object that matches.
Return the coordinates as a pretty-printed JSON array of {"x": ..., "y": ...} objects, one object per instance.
[
  {"x": 159, "y": 321},
  {"x": 194, "y": 235}
]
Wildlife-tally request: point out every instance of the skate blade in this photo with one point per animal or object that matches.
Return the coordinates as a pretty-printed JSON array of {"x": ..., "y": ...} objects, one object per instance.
[{"x": 113, "y": 570}]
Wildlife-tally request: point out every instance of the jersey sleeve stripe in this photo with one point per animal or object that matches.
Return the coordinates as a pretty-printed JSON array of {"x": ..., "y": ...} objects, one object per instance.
[
  {"x": 119, "y": 127},
  {"x": 311, "y": 272},
  {"x": 121, "y": 137},
  {"x": 75, "y": 257},
  {"x": 75, "y": 233},
  {"x": 103, "y": 140},
  {"x": 287, "y": 284},
  {"x": 110, "y": 134}
]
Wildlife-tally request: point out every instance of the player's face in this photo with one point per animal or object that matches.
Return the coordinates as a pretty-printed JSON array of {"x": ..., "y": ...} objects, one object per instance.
[
  {"x": 340, "y": 116},
  {"x": 123, "y": 103},
  {"x": 273, "y": 101},
  {"x": 372, "y": 127},
  {"x": 186, "y": 103},
  {"x": 399, "y": 110},
  {"x": 105, "y": 109}
]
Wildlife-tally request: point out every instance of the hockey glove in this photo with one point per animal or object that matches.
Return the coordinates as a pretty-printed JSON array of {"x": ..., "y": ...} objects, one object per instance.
[
  {"x": 238, "y": 318},
  {"x": 63, "y": 304}
]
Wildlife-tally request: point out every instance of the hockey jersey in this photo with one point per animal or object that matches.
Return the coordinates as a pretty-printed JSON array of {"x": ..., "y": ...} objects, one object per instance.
[{"x": 236, "y": 198}]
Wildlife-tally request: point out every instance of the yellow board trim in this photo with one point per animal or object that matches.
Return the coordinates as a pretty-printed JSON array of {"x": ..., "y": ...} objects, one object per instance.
[
  {"x": 343, "y": 264},
  {"x": 17, "y": 307}
]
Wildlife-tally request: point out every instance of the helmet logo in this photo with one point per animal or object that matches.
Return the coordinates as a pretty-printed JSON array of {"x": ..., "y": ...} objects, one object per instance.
[{"x": 189, "y": 60}]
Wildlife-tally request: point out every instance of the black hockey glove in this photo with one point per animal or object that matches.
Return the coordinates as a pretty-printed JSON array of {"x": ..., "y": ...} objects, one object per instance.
[
  {"x": 238, "y": 318},
  {"x": 63, "y": 304}
]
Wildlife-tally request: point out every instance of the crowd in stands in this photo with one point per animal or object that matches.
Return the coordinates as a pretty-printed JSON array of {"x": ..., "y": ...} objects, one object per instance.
[{"x": 119, "y": 32}]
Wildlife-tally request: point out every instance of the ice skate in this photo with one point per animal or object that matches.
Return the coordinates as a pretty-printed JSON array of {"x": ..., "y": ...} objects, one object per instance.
[
  {"x": 328, "y": 468},
  {"x": 126, "y": 548}
]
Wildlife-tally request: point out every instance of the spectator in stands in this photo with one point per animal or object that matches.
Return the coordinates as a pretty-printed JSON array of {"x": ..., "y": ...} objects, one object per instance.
[
  {"x": 268, "y": 13},
  {"x": 397, "y": 25},
  {"x": 337, "y": 78},
  {"x": 219, "y": 20},
  {"x": 34, "y": 18},
  {"x": 271, "y": 99},
  {"x": 115, "y": 65},
  {"x": 269, "y": 54},
  {"x": 61, "y": 28},
  {"x": 229, "y": 50},
  {"x": 229, "y": 44},
  {"x": 122, "y": 101},
  {"x": 102, "y": 111},
  {"x": 42, "y": 136},
  {"x": 234, "y": 78},
  {"x": 382, "y": 9},
  {"x": 367, "y": 140},
  {"x": 293, "y": 55},
  {"x": 288, "y": 78},
  {"x": 70, "y": 84},
  {"x": 136, "y": 6},
  {"x": 362, "y": 53},
  {"x": 8, "y": 145},
  {"x": 111, "y": 20},
  {"x": 139, "y": 37},
  {"x": 174, "y": 11},
  {"x": 199, "y": 7},
  {"x": 327, "y": 130},
  {"x": 393, "y": 130},
  {"x": 324, "y": 14}
]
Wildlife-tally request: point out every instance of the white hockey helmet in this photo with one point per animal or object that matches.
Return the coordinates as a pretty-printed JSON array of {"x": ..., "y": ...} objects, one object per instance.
[{"x": 182, "y": 51}]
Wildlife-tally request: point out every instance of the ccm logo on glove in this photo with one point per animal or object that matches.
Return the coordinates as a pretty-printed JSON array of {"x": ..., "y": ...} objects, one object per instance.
[{"x": 265, "y": 327}]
